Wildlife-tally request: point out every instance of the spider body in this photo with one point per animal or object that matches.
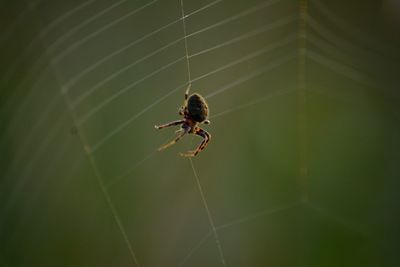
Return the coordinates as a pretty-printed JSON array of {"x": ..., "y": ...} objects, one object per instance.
[
  {"x": 197, "y": 108},
  {"x": 194, "y": 111}
]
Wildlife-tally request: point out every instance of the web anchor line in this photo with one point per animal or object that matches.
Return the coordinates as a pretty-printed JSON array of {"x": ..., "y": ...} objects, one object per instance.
[
  {"x": 186, "y": 45},
  {"x": 210, "y": 218},
  {"x": 203, "y": 198}
]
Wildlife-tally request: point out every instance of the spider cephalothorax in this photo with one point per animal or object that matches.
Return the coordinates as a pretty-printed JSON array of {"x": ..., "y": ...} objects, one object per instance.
[{"x": 194, "y": 110}]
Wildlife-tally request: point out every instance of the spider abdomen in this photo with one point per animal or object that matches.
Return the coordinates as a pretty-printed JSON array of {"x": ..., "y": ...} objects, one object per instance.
[{"x": 197, "y": 108}]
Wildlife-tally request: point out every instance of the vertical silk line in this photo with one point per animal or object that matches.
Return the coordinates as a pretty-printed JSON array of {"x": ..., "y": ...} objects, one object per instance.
[
  {"x": 186, "y": 45},
  {"x": 302, "y": 101},
  {"x": 210, "y": 219},
  {"x": 203, "y": 198}
]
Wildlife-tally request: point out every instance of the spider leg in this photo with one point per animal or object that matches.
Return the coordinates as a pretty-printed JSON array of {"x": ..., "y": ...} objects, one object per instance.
[
  {"x": 173, "y": 123},
  {"x": 179, "y": 136},
  {"x": 203, "y": 144},
  {"x": 187, "y": 93},
  {"x": 182, "y": 109}
]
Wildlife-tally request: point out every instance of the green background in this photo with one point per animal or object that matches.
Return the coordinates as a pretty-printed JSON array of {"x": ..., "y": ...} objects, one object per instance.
[{"x": 303, "y": 165}]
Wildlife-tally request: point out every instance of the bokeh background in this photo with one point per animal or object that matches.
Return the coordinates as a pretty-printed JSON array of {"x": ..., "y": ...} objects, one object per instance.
[{"x": 303, "y": 167}]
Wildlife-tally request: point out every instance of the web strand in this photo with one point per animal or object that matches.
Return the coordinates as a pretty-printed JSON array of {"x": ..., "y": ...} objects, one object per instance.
[
  {"x": 81, "y": 25},
  {"x": 245, "y": 78},
  {"x": 77, "y": 44},
  {"x": 239, "y": 221},
  {"x": 33, "y": 81},
  {"x": 29, "y": 48},
  {"x": 99, "y": 179},
  {"x": 253, "y": 55},
  {"x": 258, "y": 215},
  {"x": 223, "y": 113},
  {"x": 74, "y": 79},
  {"x": 262, "y": 29},
  {"x": 195, "y": 248},
  {"x": 91, "y": 159},
  {"x": 210, "y": 218},
  {"x": 98, "y": 107},
  {"x": 253, "y": 102},
  {"x": 383, "y": 48},
  {"x": 136, "y": 165},
  {"x": 309, "y": 55},
  {"x": 130, "y": 120},
  {"x": 203, "y": 198},
  {"x": 237, "y": 16},
  {"x": 104, "y": 59},
  {"x": 186, "y": 44},
  {"x": 101, "y": 183}
]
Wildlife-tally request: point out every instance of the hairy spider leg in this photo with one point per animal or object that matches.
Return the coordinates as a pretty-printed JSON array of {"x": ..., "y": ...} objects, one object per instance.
[
  {"x": 203, "y": 144},
  {"x": 173, "y": 123},
  {"x": 181, "y": 132}
]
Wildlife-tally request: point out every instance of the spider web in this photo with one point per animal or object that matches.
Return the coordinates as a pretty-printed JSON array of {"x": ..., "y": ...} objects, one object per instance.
[{"x": 302, "y": 101}]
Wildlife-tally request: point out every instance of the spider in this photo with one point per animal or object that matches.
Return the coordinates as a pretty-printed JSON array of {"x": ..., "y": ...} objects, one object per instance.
[{"x": 194, "y": 111}]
